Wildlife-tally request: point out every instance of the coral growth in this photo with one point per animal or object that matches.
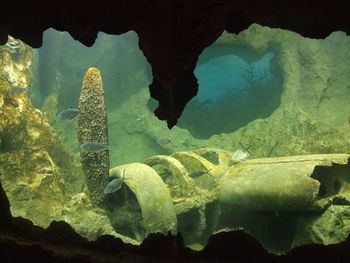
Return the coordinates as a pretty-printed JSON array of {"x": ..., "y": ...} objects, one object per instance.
[{"x": 92, "y": 127}]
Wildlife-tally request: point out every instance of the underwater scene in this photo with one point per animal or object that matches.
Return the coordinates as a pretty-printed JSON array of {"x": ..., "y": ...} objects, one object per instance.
[{"x": 263, "y": 147}]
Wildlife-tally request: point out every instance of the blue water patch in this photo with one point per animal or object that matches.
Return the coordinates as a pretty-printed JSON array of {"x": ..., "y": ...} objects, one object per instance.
[
  {"x": 217, "y": 76},
  {"x": 236, "y": 86}
]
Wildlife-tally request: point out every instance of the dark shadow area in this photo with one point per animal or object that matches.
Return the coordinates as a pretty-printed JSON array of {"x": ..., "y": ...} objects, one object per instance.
[
  {"x": 125, "y": 214},
  {"x": 331, "y": 179},
  {"x": 236, "y": 86},
  {"x": 274, "y": 229},
  {"x": 188, "y": 226}
]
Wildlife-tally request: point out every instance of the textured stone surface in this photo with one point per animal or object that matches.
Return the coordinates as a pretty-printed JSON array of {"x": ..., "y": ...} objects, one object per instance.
[
  {"x": 303, "y": 123},
  {"x": 90, "y": 222},
  {"x": 332, "y": 226},
  {"x": 38, "y": 172}
]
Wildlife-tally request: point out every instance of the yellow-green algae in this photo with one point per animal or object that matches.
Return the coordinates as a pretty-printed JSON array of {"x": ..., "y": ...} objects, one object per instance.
[{"x": 29, "y": 145}]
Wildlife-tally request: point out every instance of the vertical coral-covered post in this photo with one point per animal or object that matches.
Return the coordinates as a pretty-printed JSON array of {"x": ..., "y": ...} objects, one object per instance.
[{"x": 92, "y": 127}]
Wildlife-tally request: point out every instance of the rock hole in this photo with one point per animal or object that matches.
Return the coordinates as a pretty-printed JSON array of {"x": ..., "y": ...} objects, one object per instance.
[
  {"x": 322, "y": 192},
  {"x": 336, "y": 186},
  {"x": 236, "y": 86}
]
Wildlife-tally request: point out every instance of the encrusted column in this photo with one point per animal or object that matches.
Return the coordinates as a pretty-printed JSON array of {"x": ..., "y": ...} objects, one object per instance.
[{"x": 92, "y": 127}]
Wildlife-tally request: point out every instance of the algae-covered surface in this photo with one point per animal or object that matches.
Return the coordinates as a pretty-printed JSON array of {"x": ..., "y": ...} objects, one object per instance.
[{"x": 286, "y": 96}]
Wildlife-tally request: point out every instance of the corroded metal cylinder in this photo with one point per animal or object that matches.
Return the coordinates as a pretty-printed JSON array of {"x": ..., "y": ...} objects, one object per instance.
[
  {"x": 92, "y": 127},
  {"x": 290, "y": 183},
  {"x": 153, "y": 197}
]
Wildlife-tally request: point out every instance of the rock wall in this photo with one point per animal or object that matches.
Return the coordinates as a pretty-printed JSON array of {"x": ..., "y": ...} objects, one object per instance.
[
  {"x": 38, "y": 172},
  {"x": 313, "y": 114},
  {"x": 305, "y": 122}
]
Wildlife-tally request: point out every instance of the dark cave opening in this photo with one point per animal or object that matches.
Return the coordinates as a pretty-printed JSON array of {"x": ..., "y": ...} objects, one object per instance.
[
  {"x": 236, "y": 86},
  {"x": 331, "y": 179}
]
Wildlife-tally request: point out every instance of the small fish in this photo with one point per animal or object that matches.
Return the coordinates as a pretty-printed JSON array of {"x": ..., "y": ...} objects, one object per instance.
[
  {"x": 34, "y": 96},
  {"x": 179, "y": 200},
  {"x": 196, "y": 173},
  {"x": 116, "y": 174},
  {"x": 13, "y": 47},
  {"x": 115, "y": 184},
  {"x": 17, "y": 89},
  {"x": 141, "y": 117},
  {"x": 94, "y": 147},
  {"x": 164, "y": 172},
  {"x": 69, "y": 114},
  {"x": 239, "y": 156},
  {"x": 10, "y": 47},
  {"x": 26, "y": 68},
  {"x": 163, "y": 140},
  {"x": 45, "y": 170}
]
